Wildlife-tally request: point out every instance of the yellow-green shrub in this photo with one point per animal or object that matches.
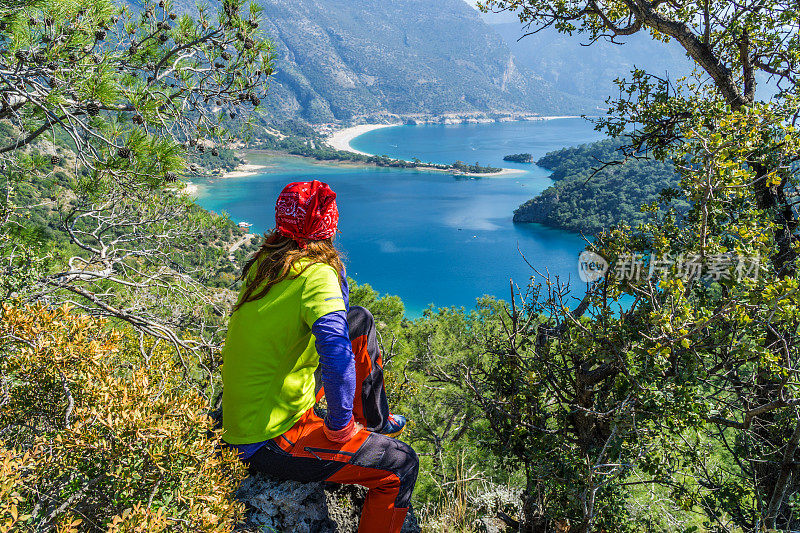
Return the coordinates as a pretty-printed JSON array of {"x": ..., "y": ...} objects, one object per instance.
[{"x": 95, "y": 437}]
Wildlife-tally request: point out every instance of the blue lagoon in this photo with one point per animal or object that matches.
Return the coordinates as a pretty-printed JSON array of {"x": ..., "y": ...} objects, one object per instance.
[{"x": 429, "y": 237}]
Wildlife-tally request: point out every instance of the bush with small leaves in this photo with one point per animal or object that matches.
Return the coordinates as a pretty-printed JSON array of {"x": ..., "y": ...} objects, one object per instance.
[{"x": 96, "y": 437}]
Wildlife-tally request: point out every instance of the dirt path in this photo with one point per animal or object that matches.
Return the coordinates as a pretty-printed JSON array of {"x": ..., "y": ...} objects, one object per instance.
[{"x": 241, "y": 242}]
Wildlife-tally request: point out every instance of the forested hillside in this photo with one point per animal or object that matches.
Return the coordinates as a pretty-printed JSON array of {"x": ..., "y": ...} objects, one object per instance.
[{"x": 585, "y": 201}]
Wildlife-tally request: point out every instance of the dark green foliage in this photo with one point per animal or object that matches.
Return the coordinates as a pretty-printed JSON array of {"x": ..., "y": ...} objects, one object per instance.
[
  {"x": 225, "y": 159},
  {"x": 584, "y": 201},
  {"x": 519, "y": 158}
]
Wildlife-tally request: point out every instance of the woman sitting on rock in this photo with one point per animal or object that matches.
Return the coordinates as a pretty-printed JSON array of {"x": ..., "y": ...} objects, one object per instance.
[{"x": 293, "y": 320}]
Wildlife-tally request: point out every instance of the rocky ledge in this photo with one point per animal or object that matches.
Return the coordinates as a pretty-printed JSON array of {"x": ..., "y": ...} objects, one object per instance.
[{"x": 274, "y": 506}]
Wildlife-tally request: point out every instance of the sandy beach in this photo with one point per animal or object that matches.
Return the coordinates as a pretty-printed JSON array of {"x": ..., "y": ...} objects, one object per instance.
[
  {"x": 503, "y": 172},
  {"x": 190, "y": 189},
  {"x": 340, "y": 140},
  {"x": 242, "y": 171}
]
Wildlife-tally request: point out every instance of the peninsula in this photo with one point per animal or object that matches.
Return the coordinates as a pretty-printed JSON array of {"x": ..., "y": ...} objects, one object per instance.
[{"x": 340, "y": 140}]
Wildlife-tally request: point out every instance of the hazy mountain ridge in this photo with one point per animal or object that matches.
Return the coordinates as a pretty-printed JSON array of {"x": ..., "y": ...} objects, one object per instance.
[
  {"x": 338, "y": 60},
  {"x": 588, "y": 72}
]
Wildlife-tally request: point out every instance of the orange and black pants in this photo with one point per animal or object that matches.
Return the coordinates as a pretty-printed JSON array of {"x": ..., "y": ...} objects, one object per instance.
[{"x": 386, "y": 466}]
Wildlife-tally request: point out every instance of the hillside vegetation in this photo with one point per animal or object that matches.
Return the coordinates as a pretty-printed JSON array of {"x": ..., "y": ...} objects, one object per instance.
[{"x": 584, "y": 201}]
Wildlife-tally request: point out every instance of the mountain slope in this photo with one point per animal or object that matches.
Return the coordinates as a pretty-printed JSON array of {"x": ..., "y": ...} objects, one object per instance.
[
  {"x": 589, "y": 71},
  {"x": 342, "y": 59}
]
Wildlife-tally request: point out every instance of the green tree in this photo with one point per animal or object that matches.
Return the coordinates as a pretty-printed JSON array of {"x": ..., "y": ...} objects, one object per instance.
[
  {"x": 669, "y": 382},
  {"x": 101, "y": 106},
  {"x": 118, "y": 97}
]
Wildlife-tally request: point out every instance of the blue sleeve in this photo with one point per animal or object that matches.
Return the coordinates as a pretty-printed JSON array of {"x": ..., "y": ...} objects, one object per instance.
[
  {"x": 338, "y": 367},
  {"x": 345, "y": 289}
]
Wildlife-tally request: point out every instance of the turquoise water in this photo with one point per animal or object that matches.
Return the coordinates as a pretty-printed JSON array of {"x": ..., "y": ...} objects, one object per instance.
[
  {"x": 428, "y": 237},
  {"x": 483, "y": 143}
]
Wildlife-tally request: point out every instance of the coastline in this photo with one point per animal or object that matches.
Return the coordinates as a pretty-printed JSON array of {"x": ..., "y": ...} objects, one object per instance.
[
  {"x": 244, "y": 170},
  {"x": 341, "y": 139}
]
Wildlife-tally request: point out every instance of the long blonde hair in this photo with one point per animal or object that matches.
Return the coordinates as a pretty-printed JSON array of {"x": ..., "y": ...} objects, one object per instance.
[{"x": 274, "y": 260}]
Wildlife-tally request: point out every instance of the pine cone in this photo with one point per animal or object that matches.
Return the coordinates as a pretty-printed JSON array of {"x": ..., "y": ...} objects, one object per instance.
[
  {"x": 249, "y": 44},
  {"x": 254, "y": 100},
  {"x": 226, "y": 56},
  {"x": 214, "y": 152},
  {"x": 170, "y": 177},
  {"x": 93, "y": 109},
  {"x": 163, "y": 37},
  {"x": 124, "y": 152},
  {"x": 55, "y": 160},
  {"x": 172, "y": 16},
  {"x": 137, "y": 119},
  {"x": 99, "y": 35}
]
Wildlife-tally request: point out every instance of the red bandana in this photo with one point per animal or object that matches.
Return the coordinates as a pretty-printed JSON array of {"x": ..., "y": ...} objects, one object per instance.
[{"x": 306, "y": 211}]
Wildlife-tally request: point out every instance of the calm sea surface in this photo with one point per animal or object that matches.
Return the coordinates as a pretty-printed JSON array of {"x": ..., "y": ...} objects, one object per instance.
[{"x": 428, "y": 237}]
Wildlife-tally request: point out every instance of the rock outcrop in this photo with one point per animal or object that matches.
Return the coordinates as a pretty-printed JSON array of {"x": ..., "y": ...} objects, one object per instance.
[{"x": 290, "y": 506}]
